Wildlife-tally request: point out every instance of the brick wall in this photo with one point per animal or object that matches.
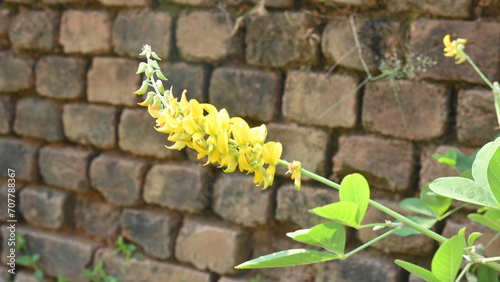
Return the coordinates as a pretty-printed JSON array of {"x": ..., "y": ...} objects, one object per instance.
[{"x": 90, "y": 167}]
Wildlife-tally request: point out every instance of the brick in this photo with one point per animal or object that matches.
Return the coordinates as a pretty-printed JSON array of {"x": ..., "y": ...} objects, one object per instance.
[
  {"x": 153, "y": 231},
  {"x": 61, "y": 255},
  {"x": 203, "y": 3},
  {"x": 61, "y": 77},
  {"x": 177, "y": 187},
  {"x": 377, "y": 37},
  {"x": 277, "y": 3},
  {"x": 319, "y": 106},
  {"x": 305, "y": 144},
  {"x": 387, "y": 164},
  {"x": 137, "y": 127},
  {"x": 113, "y": 81},
  {"x": 125, "y": 2},
  {"x": 34, "y": 31},
  {"x": 419, "y": 112},
  {"x": 458, "y": 222},
  {"x": 20, "y": 156},
  {"x": 201, "y": 36},
  {"x": 25, "y": 276},
  {"x": 12, "y": 66},
  {"x": 237, "y": 199},
  {"x": 279, "y": 40},
  {"x": 65, "y": 167},
  {"x": 293, "y": 206},
  {"x": 62, "y": 1},
  {"x": 365, "y": 3},
  {"x": 426, "y": 37},
  {"x": 45, "y": 207},
  {"x": 6, "y": 114},
  {"x": 448, "y": 8},
  {"x": 97, "y": 218},
  {"x": 476, "y": 117},
  {"x": 200, "y": 242},
  {"x": 245, "y": 92},
  {"x": 193, "y": 78},
  {"x": 86, "y": 32},
  {"x": 365, "y": 266},
  {"x": 132, "y": 29},
  {"x": 118, "y": 179},
  {"x": 39, "y": 118},
  {"x": 417, "y": 245},
  {"x": 4, "y": 202},
  {"x": 431, "y": 169},
  {"x": 90, "y": 124},
  {"x": 145, "y": 270},
  {"x": 5, "y": 19}
]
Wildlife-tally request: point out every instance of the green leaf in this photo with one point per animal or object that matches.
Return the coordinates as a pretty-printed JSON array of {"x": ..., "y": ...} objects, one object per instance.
[
  {"x": 417, "y": 270},
  {"x": 482, "y": 161},
  {"x": 39, "y": 274},
  {"x": 465, "y": 162},
  {"x": 463, "y": 189},
  {"x": 35, "y": 257},
  {"x": 472, "y": 238},
  {"x": 436, "y": 203},
  {"x": 447, "y": 259},
  {"x": 490, "y": 219},
  {"x": 342, "y": 212},
  {"x": 287, "y": 258},
  {"x": 422, "y": 221},
  {"x": 416, "y": 205},
  {"x": 354, "y": 188},
  {"x": 24, "y": 260},
  {"x": 467, "y": 174},
  {"x": 493, "y": 174},
  {"x": 449, "y": 158},
  {"x": 330, "y": 236},
  {"x": 486, "y": 274}
]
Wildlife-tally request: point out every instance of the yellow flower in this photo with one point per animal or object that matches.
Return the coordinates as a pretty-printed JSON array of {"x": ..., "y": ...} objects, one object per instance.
[
  {"x": 295, "y": 169},
  {"x": 455, "y": 48}
]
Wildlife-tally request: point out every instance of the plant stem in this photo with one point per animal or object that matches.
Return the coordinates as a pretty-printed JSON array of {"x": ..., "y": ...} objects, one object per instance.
[
  {"x": 367, "y": 244},
  {"x": 451, "y": 211},
  {"x": 476, "y": 68},
  {"x": 462, "y": 273},
  {"x": 374, "y": 204}
]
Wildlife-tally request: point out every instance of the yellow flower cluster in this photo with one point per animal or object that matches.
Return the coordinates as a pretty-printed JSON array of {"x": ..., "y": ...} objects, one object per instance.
[
  {"x": 230, "y": 142},
  {"x": 455, "y": 48}
]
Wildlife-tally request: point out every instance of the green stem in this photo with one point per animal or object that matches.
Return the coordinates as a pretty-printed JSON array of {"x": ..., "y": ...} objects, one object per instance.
[
  {"x": 476, "y": 68},
  {"x": 451, "y": 211},
  {"x": 462, "y": 273},
  {"x": 490, "y": 259},
  {"x": 402, "y": 218},
  {"x": 493, "y": 265},
  {"x": 367, "y": 244}
]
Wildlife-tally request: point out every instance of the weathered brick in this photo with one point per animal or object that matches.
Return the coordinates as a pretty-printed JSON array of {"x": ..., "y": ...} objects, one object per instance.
[
  {"x": 26, "y": 276},
  {"x": 365, "y": 266},
  {"x": 145, "y": 270},
  {"x": 65, "y": 167},
  {"x": 6, "y": 114},
  {"x": 45, "y": 207},
  {"x": 320, "y": 99},
  {"x": 61, "y": 77},
  {"x": 387, "y": 164},
  {"x": 5, "y": 19},
  {"x": 279, "y": 40},
  {"x": 177, "y": 187},
  {"x": 12, "y": 66},
  {"x": 277, "y": 3},
  {"x": 39, "y": 118},
  {"x": 417, "y": 245},
  {"x": 125, "y": 2},
  {"x": 419, "y": 112},
  {"x": 97, "y": 218},
  {"x": 476, "y": 117},
  {"x": 193, "y": 78},
  {"x": 427, "y": 39},
  {"x": 20, "y": 156},
  {"x": 200, "y": 242},
  {"x": 245, "y": 92},
  {"x": 86, "y": 32},
  {"x": 5, "y": 189},
  {"x": 34, "y": 31},
  {"x": 61, "y": 255},
  {"x": 136, "y": 134},
  {"x": 62, "y": 1},
  {"x": 431, "y": 169},
  {"x": 293, "y": 206},
  {"x": 90, "y": 124},
  {"x": 447, "y": 8},
  {"x": 458, "y": 222},
  {"x": 365, "y": 3},
  {"x": 154, "y": 231},
  {"x": 203, "y": 3},
  {"x": 118, "y": 179},
  {"x": 132, "y": 29},
  {"x": 305, "y": 144},
  {"x": 237, "y": 199},
  {"x": 376, "y": 37},
  {"x": 113, "y": 81},
  {"x": 201, "y": 36}
]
